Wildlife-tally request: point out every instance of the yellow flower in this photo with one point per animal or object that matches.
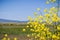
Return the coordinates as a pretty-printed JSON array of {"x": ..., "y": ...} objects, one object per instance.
[
  {"x": 58, "y": 33},
  {"x": 32, "y": 30},
  {"x": 41, "y": 21},
  {"x": 4, "y": 38},
  {"x": 27, "y": 26},
  {"x": 15, "y": 38},
  {"x": 35, "y": 26},
  {"x": 31, "y": 26},
  {"x": 36, "y": 19},
  {"x": 43, "y": 25},
  {"x": 54, "y": 36},
  {"x": 50, "y": 23},
  {"x": 55, "y": 10},
  {"x": 42, "y": 28},
  {"x": 37, "y": 30},
  {"x": 38, "y": 9},
  {"x": 55, "y": 19},
  {"x": 8, "y": 38},
  {"x": 52, "y": 9},
  {"x": 28, "y": 35},
  {"x": 29, "y": 18},
  {"x": 47, "y": 2},
  {"x": 54, "y": 15},
  {"x": 46, "y": 29},
  {"x": 38, "y": 35},
  {"x": 39, "y": 24},
  {"x": 45, "y": 10},
  {"x": 40, "y": 16},
  {"x": 32, "y": 34},
  {"x": 42, "y": 38},
  {"x": 35, "y": 13},
  {"x": 6, "y": 35},
  {"x": 35, "y": 36},
  {"x": 28, "y": 22},
  {"x": 47, "y": 21},
  {"x": 24, "y": 30},
  {"x": 50, "y": 12},
  {"x": 47, "y": 15},
  {"x": 58, "y": 27}
]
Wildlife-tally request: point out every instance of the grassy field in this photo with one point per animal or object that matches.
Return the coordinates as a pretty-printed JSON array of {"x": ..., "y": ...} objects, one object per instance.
[{"x": 14, "y": 31}]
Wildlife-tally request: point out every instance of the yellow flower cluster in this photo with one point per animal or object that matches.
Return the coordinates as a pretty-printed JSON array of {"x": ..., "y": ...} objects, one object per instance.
[{"x": 45, "y": 27}]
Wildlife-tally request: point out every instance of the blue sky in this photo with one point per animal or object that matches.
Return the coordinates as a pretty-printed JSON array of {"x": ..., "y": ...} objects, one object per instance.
[{"x": 21, "y": 9}]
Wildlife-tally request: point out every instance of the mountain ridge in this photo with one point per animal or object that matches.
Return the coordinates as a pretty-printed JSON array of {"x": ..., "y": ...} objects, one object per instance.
[{"x": 7, "y": 20}]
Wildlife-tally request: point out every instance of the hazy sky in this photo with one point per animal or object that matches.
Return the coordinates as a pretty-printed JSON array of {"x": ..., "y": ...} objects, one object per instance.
[{"x": 21, "y": 9}]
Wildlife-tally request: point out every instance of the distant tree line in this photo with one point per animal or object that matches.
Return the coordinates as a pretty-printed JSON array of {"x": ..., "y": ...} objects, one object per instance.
[{"x": 7, "y": 24}]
